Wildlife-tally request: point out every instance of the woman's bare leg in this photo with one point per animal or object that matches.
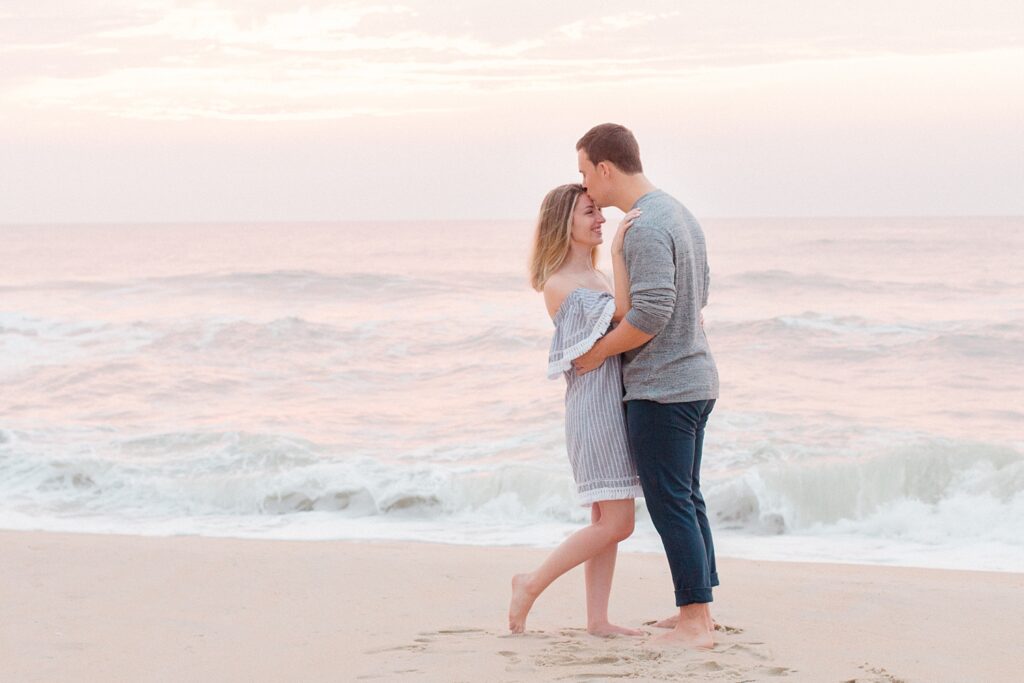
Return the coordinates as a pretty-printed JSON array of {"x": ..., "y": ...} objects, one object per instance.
[
  {"x": 598, "y": 572},
  {"x": 614, "y": 524}
]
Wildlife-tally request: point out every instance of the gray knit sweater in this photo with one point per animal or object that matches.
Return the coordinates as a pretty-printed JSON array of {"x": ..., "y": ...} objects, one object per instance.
[{"x": 666, "y": 257}]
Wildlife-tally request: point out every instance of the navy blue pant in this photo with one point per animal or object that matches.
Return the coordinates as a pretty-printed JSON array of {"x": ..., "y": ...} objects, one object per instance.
[{"x": 666, "y": 440}]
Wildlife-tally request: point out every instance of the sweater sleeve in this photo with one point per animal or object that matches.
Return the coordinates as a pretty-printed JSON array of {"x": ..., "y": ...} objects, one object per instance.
[
  {"x": 707, "y": 285},
  {"x": 650, "y": 260}
]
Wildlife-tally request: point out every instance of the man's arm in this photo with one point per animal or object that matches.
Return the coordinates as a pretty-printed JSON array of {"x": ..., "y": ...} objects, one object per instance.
[
  {"x": 650, "y": 258},
  {"x": 623, "y": 338},
  {"x": 707, "y": 286}
]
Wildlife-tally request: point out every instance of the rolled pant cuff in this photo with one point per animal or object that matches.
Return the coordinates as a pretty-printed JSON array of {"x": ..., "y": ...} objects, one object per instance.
[{"x": 693, "y": 595}]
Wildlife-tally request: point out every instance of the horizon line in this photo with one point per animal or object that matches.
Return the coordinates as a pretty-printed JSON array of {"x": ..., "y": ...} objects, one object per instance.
[{"x": 334, "y": 221}]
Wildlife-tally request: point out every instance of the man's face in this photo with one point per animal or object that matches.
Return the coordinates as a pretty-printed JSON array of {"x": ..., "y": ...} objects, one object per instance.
[{"x": 592, "y": 179}]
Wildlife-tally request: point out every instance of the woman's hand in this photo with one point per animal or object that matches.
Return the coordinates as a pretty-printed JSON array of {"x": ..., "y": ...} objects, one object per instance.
[{"x": 624, "y": 226}]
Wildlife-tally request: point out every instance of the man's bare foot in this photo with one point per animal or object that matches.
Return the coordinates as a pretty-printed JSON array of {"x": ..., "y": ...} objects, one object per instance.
[
  {"x": 692, "y": 638},
  {"x": 707, "y": 617},
  {"x": 670, "y": 622},
  {"x": 607, "y": 630},
  {"x": 522, "y": 601},
  {"x": 691, "y": 629}
]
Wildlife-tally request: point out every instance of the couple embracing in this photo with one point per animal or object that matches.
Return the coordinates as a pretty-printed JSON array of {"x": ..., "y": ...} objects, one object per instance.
[{"x": 640, "y": 380}]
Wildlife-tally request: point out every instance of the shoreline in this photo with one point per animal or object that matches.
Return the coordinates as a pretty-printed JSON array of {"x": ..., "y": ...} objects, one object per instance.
[
  {"x": 116, "y": 607},
  {"x": 724, "y": 544}
]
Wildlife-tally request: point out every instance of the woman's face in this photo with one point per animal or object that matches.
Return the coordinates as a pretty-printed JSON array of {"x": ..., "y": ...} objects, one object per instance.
[{"x": 586, "y": 222}]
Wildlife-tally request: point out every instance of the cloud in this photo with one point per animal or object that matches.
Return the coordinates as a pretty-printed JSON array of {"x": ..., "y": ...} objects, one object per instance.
[
  {"x": 228, "y": 26},
  {"x": 267, "y": 58},
  {"x": 600, "y": 27}
]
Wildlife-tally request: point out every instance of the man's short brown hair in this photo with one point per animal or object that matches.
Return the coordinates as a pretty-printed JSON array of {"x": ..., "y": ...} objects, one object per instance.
[{"x": 614, "y": 143}]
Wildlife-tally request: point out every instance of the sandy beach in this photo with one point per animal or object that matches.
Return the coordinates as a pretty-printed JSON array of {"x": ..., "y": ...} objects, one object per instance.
[
  {"x": 287, "y": 390},
  {"x": 80, "y": 607}
]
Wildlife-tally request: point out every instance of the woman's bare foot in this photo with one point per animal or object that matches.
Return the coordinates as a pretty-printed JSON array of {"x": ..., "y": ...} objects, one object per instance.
[
  {"x": 522, "y": 601},
  {"x": 607, "y": 630}
]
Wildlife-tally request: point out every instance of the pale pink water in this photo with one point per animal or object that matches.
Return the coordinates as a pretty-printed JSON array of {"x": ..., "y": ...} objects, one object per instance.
[{"x": 387, "y": 379}]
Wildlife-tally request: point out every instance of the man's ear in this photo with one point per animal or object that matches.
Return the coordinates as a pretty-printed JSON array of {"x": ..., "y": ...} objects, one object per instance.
[{"x": 604, "y": 168}]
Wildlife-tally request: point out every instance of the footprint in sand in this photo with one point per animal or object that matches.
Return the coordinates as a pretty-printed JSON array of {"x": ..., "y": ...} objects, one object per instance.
[
  {"x": 756, "y": 650},
  {"x": 539, "y": 635},
  {"x": 774, "y": 670},
  {"x": 418, "y": 646},
  {"x": 425, "y": 639},
  {"x": 572, "y": 654},
  {"x": 601, "y": 676},
  {"x": 878, "y": 675},
  {"x": 648, "y": 655},
  {"x": 571, "y": 659}
]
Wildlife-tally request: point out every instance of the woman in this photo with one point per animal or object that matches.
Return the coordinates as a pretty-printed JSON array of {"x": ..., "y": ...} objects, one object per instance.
[{"x": 582, "y": 306}]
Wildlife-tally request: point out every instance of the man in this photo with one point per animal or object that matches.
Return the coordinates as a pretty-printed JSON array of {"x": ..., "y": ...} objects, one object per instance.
[{"x": 670, "y": 377}]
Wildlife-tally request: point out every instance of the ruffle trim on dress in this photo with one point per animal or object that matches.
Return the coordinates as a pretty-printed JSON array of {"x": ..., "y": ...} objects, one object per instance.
[
  {"x": 557, "y": 367},
  {"x": 610, "y": 493}
]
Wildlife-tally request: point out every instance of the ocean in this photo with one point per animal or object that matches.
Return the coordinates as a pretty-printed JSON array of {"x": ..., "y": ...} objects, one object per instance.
[{"x": 386, "y": 381}]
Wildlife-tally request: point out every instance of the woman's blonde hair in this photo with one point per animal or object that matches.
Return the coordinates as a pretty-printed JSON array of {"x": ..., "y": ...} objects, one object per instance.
[{"x": 554, "y": 226}]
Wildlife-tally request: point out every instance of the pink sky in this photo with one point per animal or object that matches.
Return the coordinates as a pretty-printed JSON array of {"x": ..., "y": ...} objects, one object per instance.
[{"x": 274, "y": 110}]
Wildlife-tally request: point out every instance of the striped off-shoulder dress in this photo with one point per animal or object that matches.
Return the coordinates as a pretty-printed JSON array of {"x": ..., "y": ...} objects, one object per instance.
[{"x": 595, "y": 421}]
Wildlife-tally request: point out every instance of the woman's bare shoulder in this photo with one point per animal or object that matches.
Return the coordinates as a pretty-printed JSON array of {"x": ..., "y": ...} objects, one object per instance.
[{"x": 556, "y": 289}]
